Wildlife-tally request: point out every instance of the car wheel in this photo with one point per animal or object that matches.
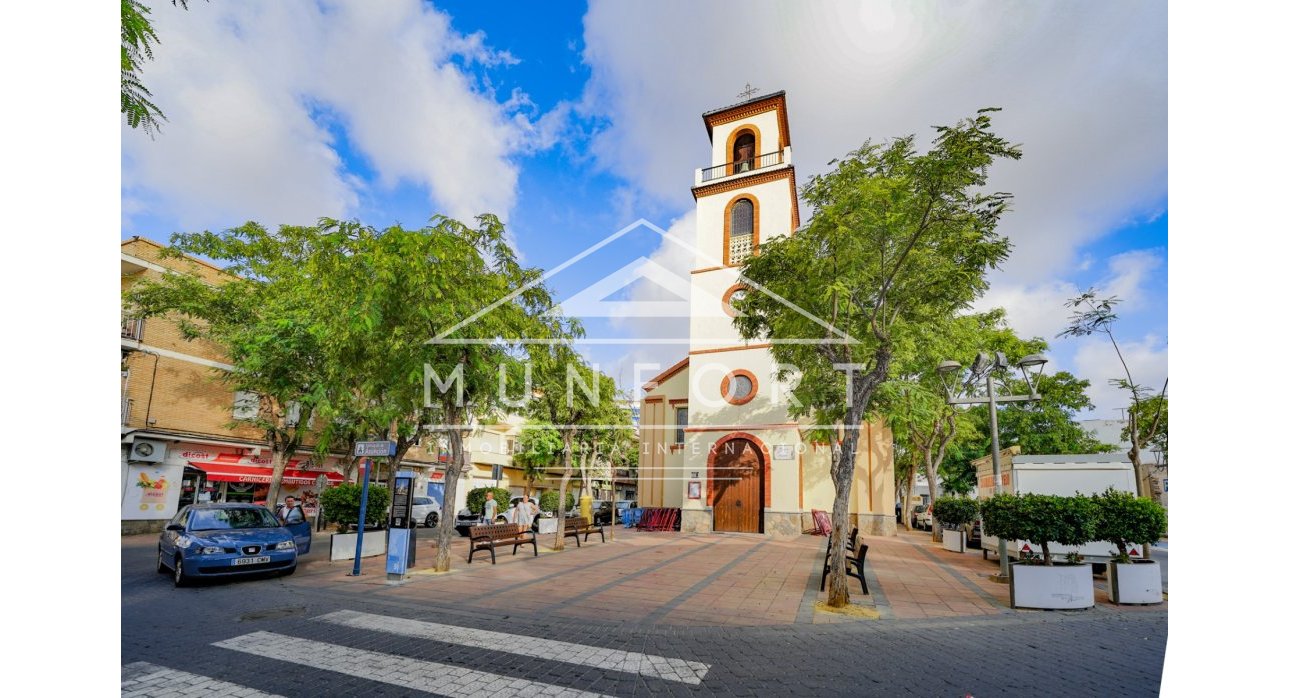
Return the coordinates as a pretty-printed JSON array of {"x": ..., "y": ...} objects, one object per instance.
[
  {"x": 181, "y": 579},
  {"x": 161, "y": 565},
  {"x": 432, "y": 520}
]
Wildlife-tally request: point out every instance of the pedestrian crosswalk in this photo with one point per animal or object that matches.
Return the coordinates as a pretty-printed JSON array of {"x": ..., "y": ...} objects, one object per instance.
[{"x": 146, "y": 680}]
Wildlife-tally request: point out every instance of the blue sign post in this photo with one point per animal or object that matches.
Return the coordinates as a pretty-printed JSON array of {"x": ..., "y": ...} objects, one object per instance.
[
  {"x": 362, "y": 519},
  {"x": 366, "y": 448}
]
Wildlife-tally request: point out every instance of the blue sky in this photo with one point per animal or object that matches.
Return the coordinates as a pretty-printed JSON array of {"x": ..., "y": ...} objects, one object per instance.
[{"x": 571, "y": 121}]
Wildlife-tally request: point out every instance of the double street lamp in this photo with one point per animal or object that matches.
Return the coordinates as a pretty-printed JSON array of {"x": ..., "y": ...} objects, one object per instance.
[{"x": 960, "y": 389}]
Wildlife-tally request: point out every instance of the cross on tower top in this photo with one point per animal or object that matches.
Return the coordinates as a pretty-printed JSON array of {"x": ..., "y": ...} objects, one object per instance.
[{"x": 748, "y": 92}]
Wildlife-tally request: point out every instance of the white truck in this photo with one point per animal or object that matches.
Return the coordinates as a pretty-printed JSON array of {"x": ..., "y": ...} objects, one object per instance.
[{"x": 1066, "y": 475}]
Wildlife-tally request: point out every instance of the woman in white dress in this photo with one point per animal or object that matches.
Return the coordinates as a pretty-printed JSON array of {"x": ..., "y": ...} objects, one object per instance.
[{"x": 524, "y": 512}]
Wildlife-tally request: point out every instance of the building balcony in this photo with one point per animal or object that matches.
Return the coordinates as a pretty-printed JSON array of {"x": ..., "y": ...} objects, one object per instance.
[
  {"x": 125, "y": 410},
  {"x": 766, "y": 161},
  {"x": 132, "y": 328}
]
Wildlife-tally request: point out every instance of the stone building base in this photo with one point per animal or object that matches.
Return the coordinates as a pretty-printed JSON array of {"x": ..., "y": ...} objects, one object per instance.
[
  {"x": 875, "y": 524},
  {"x": 696, "y": 521},
  {"x": 779, "y": 524},
  {"x": 132, "y": 528}
]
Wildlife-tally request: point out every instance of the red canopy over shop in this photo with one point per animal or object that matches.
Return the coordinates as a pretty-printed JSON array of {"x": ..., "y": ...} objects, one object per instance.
[{"x": 229, "y": 467}]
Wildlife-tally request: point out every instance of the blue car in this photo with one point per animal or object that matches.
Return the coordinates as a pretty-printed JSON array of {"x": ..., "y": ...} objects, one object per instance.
[{"x": 224, "y": 540}]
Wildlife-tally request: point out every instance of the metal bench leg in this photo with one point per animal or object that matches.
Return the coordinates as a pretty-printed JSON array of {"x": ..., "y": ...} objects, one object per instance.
[
  {"x": 471, "y": 556},
  {"x": 492, "y": 550}
]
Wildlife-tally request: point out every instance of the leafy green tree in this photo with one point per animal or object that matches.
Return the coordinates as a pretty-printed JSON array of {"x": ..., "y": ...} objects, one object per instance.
[
  {"x": 1094, "y": 314},
  {"x": 914, "y": 399},
  {"x": 572, "y": 397},
  {"x": 262, "y": 316},
  {"x": 137, "y": 38},
  {"x": 898, "y": 240},
  {"x": 1152, "y": 411},
  {"x": 1045, "y": 426},
  {"x": 537, "y": 449}
]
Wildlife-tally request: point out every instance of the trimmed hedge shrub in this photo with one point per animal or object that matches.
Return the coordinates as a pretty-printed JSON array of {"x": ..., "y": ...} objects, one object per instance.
[
  {"x": 956, "y": 511},
  {"x": 1042, "y": 519},
  {"x": 341, "y": 502},
  {"x": 475, "y": 499},
  {"x": 550, "y": 498},
  {"x": 1125, "y": 519}
]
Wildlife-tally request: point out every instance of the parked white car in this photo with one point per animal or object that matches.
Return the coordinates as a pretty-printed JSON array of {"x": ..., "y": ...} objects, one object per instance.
[
  {"x": 427, "y": 511},
  {"x": 922, "y": 517}
]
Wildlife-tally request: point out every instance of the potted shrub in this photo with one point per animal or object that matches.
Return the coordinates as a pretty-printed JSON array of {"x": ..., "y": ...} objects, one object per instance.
[
  {"x": 341, "y": 504},
  {"x": 1037, "y": 581},
  {"x": 1127, "y": 520},
  {"x": 955, "y": 514}
]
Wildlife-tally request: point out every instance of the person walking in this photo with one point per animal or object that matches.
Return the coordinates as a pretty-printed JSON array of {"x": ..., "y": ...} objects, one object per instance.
[
  {"x": 898, "y": 519},
  {"x": 490, "y": 508},
  {"x": 524, "y": 512}
]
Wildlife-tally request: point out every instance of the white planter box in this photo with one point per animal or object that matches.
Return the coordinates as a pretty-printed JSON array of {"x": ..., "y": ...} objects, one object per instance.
[
  {"x": 954, "y": 541},
  {"x": 343, "y": 544},
  {"x": 1134, "y": 582},
  {"x": 1059, "y": 587},
  {"x": 546, "y": 525}
]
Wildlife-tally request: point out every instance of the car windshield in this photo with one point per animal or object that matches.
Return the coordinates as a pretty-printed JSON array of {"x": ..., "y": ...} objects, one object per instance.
[{"x": 224, "y": 519}]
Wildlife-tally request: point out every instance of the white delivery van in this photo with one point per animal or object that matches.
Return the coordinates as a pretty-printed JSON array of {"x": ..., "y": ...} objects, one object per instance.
[{"x": 1065, "y": 475}]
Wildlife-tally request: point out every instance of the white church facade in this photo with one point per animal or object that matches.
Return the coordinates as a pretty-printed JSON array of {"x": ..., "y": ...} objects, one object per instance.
[{"x": 717, "y": 441}]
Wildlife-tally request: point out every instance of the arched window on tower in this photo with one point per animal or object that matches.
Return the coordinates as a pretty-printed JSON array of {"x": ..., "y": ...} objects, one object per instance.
[
  {"x": 745, "y": 152},
  {"x": 741, "y": 231}
]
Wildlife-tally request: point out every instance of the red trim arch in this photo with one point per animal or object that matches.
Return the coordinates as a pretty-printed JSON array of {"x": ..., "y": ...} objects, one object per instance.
[{"x": 765, "y": 463}]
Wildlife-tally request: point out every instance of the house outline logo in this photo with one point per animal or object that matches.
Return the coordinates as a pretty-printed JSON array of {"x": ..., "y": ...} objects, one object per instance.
[{"x": 592, "y": 297}]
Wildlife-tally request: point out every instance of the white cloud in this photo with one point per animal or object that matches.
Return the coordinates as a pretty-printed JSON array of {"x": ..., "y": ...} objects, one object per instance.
[
  {"x": 1129, "y": 271},
  {"x": 1097, "y": 362},
  {"x": 1083, "y": 89},
  {"x": 249, "y": 87}
]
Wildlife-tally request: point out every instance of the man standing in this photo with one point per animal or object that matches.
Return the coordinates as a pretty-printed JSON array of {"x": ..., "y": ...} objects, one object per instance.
[
  {"x": 291, "y": 513},
  {"x": 490, "y": 508}
]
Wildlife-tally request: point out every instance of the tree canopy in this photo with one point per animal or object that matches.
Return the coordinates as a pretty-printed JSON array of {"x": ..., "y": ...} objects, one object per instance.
[{"x": 897, "y": 240}]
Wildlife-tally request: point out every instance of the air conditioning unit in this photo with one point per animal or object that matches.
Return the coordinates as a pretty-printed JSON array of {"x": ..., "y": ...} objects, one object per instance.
[{"x": 145, "y": 451}]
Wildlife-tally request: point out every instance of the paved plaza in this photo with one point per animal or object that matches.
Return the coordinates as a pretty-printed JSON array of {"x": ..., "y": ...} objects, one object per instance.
[{"x": 644, "y": 614}]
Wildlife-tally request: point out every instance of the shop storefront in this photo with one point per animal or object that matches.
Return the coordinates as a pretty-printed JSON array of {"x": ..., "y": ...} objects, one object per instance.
[{"x": 231, "y": 477}]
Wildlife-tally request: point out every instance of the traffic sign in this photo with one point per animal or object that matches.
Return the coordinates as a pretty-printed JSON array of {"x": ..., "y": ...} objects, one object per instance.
[{"x": 374, "y": 449}]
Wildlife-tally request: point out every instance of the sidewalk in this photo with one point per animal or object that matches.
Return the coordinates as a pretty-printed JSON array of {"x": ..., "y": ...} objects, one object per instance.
[{"x": 667, "y": 578}]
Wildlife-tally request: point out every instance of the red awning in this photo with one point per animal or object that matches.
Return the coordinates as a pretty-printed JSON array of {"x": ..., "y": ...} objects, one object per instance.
[{"x": 224, "y": 472}]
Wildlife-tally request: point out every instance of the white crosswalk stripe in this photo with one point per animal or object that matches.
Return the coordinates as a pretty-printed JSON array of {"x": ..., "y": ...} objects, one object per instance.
[
  {"x": 392, "y": 669},
  {"x": 144, "y": 680},
  {"x": 668, "y": 668}
]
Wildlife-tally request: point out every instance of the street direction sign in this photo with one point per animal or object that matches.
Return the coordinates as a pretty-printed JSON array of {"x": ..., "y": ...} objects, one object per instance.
[{"x": 374, "y": 449}]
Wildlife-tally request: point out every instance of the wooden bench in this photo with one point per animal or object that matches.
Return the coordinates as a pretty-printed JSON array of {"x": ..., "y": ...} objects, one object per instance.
[
  {"x": 488, "y": 536},
  {"x": 851, "y": 558},
  {"x": 576, "y": 525}
]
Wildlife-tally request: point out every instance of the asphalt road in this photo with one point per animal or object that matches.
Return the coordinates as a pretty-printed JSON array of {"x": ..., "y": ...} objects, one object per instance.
[{"x": 284, "y": 636}]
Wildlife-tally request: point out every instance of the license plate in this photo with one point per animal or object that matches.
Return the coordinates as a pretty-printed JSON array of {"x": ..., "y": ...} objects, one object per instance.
[{"x": 250, "y": 560}]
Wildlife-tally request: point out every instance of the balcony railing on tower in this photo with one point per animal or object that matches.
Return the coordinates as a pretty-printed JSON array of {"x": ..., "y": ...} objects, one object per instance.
[{"x": 730, "y": 169}]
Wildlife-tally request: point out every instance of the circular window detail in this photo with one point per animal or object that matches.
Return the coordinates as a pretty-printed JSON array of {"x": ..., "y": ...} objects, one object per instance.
[
  {"x": 734, "y": 293},
  {"x": 739, "y": 387}
]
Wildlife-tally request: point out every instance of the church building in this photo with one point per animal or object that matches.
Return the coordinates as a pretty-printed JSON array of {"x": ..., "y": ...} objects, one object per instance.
[{"x": 717, "y": 441}]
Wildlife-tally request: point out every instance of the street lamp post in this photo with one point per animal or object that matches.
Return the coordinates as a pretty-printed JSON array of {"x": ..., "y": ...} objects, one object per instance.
[{"x": 985, "y": 367}]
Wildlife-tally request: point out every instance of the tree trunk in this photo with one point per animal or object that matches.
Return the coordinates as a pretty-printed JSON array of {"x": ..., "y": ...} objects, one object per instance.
[
  {"x": 564, "y": 487},
  {"x": 448, "y": 517},
  {"x": 843, "y": 471},
  {"x": 907, "y": 513},
  {"x": 279, "y": 468},
  {"x": 930, "y": 468}
]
